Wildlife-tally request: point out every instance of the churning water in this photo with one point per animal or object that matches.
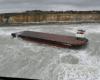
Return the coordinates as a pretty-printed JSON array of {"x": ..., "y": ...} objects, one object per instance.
[{"x": 20, "y": 58}]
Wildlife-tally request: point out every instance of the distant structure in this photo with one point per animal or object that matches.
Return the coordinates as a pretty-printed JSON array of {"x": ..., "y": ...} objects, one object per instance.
[{"x": 37, "y": 17}]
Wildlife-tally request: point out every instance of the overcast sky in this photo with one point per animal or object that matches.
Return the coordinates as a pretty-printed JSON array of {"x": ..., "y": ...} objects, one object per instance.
[{"x": 22, "y": 5}]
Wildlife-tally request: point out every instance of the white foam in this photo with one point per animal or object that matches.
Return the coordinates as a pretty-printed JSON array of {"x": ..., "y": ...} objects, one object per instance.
[
  {"x": 86, "y": 69},
  {"x": 81, "y": 72},
  {"x": 8, "y": 30},
  {"x": 76, "y": 72},
  {"x": 4, "y": 33}
]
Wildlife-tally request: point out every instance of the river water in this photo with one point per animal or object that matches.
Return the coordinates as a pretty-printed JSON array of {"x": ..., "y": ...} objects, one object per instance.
[{"x": 24, "y": 59}]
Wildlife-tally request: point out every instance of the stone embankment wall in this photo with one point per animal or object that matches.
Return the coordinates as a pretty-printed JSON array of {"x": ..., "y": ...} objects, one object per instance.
[{"x": 49, "y": 17}]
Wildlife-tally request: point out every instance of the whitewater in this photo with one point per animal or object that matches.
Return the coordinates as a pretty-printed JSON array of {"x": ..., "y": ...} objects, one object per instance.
[{"x": 19, "y": 58}]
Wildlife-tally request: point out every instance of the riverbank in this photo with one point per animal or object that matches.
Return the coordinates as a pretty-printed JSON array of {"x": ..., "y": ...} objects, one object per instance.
[
  {"x": 37, "y": 17},
  {"x": 46, "y": 23}
]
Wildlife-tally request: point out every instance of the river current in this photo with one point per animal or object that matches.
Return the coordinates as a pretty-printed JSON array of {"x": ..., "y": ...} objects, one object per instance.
[{"x": 19, "y": 58}]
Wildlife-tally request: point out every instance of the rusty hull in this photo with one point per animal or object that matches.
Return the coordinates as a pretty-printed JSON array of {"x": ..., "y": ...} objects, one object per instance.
[{"x": 48, "y": 38}]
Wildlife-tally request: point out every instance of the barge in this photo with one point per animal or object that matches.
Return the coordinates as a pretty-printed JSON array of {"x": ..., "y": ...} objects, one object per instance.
[{"x": 54, "y": 39}]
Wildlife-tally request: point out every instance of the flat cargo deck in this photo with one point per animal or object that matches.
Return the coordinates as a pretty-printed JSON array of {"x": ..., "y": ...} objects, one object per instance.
[{"x": 63, "y": 39}]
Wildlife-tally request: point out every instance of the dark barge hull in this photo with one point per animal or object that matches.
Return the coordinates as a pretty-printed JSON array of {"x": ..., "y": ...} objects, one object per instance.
[
  {"x": 15, "y": 78},
  {"x": 53, "y": 39}
]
